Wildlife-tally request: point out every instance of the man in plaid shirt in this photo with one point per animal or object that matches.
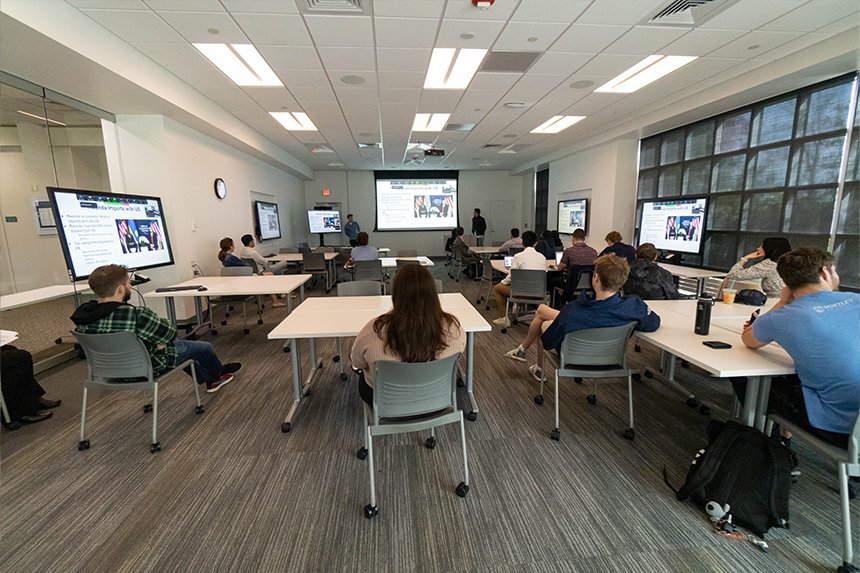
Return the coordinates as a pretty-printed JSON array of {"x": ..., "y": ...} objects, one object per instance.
[{"x": 112, "y": 313}]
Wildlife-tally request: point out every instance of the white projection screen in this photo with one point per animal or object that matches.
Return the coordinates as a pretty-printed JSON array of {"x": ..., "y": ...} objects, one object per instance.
[{"x": 416, "y": 200}]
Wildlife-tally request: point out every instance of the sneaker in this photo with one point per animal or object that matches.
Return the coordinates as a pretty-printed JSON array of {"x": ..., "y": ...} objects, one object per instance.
[
  {"x": 503, "y": 321},
  {"x": 517, "y": 354},
  {"x": 213, "y": 387},
  {"x": 232, "y": 367},
  {"x": 536, "y": 372}
]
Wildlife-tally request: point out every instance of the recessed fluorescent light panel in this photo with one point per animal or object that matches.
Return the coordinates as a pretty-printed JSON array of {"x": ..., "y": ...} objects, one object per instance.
[
  {"x": 452, "y": 69},
  {"x": 430, "y": 121},
  {"x": 39, "y": 117},
  {"x": 242, "y": 63},
  {"x": 648, "y": 70},
  {"x": 557, "y": 123},
  {"x": 294, "y": 121}
]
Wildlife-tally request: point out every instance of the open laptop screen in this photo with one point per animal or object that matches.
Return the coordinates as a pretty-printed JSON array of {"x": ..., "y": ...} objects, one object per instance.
[
  {"x": 508, "y": 262},
  {"x": 558, "y": 255}
]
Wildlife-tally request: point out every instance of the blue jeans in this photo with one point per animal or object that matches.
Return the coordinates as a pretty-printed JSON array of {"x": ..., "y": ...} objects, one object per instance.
[{"x": 207, "y": 364}]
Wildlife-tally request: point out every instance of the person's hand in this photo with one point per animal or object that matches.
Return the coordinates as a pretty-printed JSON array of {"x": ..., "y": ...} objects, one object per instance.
[
  {"x": 747, "y": 327},
  {"x": 756, "y": 254},
  {"x": 748, "y": 323}
]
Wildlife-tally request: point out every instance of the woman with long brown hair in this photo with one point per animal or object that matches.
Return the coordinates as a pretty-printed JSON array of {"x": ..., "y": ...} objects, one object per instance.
[{"x": 415, "y": 330}]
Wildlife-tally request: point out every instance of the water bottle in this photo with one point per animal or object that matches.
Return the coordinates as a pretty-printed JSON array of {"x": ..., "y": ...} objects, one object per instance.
[{"x": 703, "y": 314}]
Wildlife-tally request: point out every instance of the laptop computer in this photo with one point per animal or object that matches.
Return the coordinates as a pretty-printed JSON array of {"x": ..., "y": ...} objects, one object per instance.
[
  {"x": 508, "y": 262},
  {"x": 558, "y": 255}
]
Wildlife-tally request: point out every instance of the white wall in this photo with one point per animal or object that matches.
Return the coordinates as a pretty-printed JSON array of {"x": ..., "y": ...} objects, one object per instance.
[{"x": 498, "y": 195}]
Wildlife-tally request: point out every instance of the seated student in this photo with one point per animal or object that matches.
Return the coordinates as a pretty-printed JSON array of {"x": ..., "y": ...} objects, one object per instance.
[
  {"x": 514, "y": 241},
  {"x": 764, "y": 267},
  {"x": 556, "y": 239},
  {"x": 416, "y": 329},
  {"x": 616, "y": 247},
  {"x": 469, "y": 258},
  {"x": 362, "y": 251},
  {"x": 546, "y": 245},
  {"x": 528, "y": 259},
  {"x": 607, "y": 309},
  {"x": 647, "y": 279},
  {"x": 819, "y": 327},
  {"x": 579, "y": 254},
  {"x": 228, "y": 259},
  {"x": 249, "y": 252},
  {"x": 21, "y": 392},
  {"x": 113, "y": 313}
]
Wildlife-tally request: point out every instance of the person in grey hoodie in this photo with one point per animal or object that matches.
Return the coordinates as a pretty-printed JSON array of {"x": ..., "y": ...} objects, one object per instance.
[{"x": 647, "y": 279}]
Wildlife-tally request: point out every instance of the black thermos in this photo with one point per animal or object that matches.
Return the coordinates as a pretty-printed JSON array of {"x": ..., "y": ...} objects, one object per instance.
[{"x": 703, "y": 314}]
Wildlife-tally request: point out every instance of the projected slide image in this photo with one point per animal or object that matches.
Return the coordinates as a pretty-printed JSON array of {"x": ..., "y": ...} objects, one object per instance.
[
  {"x": 137, "y": 235},
  {"x": 416, "y": 204},
  {"x": 572, "y": 215},
  {"x": 673, "y": 225}
]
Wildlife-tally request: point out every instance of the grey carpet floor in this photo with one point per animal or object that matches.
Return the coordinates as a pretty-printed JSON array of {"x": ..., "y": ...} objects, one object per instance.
[{"x": 231, "y": 492}]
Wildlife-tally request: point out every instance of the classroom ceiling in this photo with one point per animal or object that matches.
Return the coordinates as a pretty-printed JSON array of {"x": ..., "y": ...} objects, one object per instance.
[{"x": 357, "y": 67}]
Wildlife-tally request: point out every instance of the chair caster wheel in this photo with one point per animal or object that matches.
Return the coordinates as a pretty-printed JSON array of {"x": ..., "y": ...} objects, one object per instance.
[
  {"x": 327, "y": 291},
  {"x": 685, "y": 364},
  {"x": 692, "y": 402},
  {"x": 846, "y": 568},
  {"x": 147, "y": 408},
  {"x": 704, "y": 410},
  {"x": 213, "y": 332},
  {"x": 370, "y": 511},
  {"x": 462, "y": 490},
  {"x": 636, "y": 376},
  {"x": 259, "y": 321},
  {"x": 344, "y": 376},
  {"x": 629, "y": 434},
  {"x": 504, "y": 331},
  {"x": 247, "y": 330},
  {"x": 637, "y": 348},
  {"x": 648, "y": 374},
  {"x": 472, "y": 416},
  {"x": 539, "y": 399},
  {"x": 430, "y": 443},
  {"x": 199, "y": 409},
  {"x": 287, "y": 348},
  {"x": 592, "y": 399},
  {"x": 285, "y": 427},
  {"x": 83, "y": 445},
  {"x": 460, "y": 382},
  {"x": 335, "y": 359},
  {"x": 361, "y": 453},
  {"x": 11, "y": 426},
  {"x": 156, "y": 447},
  {"x": 478, "y": 301},
  {"x": 578, "y": 380},
  {"x": 223, "y": 323},
  {"x": 555, "y": 434},
  {"x": 487, "y": 307}
]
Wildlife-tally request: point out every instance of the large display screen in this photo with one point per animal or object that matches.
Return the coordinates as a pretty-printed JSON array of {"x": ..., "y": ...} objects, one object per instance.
[
  {"x": 97, "y": 228},
  {"x": 572, "y": 215},
  {"x": 673, "y": 225},
  {"x": 416, "y": 200},
  {"x": 320, "y": 221},
  {"x": 268, "y": 224}
]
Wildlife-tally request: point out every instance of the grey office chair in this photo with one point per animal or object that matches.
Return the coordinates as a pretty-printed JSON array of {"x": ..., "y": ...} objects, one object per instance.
[
  {"x": 403, "y": 262},
  {"x": 226, "y": 302},
  {"x": 594, "y": 353},
  {"x": 120, "y": 361},
  {"x": 367, "y": 270},
  {"x": 514, "y": 250},
  {"x": 354, "y": 288},
  {"x": 407, "y": 253},
  {"x": 314, "y": 264},
  {"x": 411, "y": 397},
  {"x": 527, "y": 288}
]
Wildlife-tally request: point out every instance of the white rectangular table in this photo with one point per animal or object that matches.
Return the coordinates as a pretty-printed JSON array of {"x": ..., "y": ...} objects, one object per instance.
[
  {"x": 499, "y": 265},
  {"x": 330, "y": 317},
  {"x": 701, "y": 275},
  {"x": 331, "y": 277},
  {"x": 391, "y": 262},
  {"x": 720, "y": 310},
  {"x": 27, "y": 297},
  {"x": 484, "y": 250}
]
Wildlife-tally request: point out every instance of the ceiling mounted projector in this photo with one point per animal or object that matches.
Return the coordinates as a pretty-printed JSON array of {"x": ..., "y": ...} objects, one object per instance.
[{"x": 434, "y": 153}]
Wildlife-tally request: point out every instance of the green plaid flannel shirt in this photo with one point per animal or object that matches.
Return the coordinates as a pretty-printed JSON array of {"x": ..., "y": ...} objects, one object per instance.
[{"x": 150, "y": 328}]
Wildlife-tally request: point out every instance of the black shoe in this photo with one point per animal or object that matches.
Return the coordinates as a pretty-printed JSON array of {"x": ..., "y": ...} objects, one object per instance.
[
  {"x": 38, "y": 417},
  {"x": 232, "y": 367},
  {"x": 47, "y": 404}
]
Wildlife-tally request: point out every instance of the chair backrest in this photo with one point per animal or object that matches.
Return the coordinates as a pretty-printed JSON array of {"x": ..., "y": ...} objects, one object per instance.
[
  {"x": 528, "y": 284},
  {"x": 404, "y": 262},
  {"x": 596, "y": 346},
  {"x": 236, "y": 271},
  {"x": 514, "y": 250},
  {"x": 303, "y": 245},
  {"x": 313, "y": 262},
  {"x": 359, "y": 288},
  {"x": 439, "y": 289},
  {"x": 367, "y": 270},
  {"x": 253, "y": 264},
  {"x": 288, "y": 250},
  {"x": 578, "y": 279},
  {"x": 411, "y": 389},
  {"x": 115, "y": 355},
  {"x": 407, "y": 253}
]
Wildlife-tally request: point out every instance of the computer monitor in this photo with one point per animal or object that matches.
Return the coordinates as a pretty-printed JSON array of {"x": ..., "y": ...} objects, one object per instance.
[{"x": 675, "y": 225}]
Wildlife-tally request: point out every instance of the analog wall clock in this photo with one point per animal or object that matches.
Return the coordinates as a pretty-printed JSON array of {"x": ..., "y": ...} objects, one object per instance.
[{"x": 220, "y": 188}]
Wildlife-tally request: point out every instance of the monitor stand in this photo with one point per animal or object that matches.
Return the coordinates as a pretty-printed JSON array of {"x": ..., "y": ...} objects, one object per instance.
[{"x": 322, "y": 239}]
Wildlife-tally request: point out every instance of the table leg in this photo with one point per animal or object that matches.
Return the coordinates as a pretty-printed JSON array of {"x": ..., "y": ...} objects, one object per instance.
[
  {"x": 751, "y": 400},
  {"x": 761, "y": 403},
  {"x": 297, "y": 386},
  {"x": 470, "y": 379},
  {"x": 700, "y": 285},
  {"x": 316, "y": 366},
  {"x": 198, "y": 312},
  {"x": 171, "y": 310}
]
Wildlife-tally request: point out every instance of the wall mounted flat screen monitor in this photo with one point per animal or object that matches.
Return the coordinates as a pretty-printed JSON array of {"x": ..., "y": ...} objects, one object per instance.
[
  {"x": 416, "y": 200},
  {"x": 98, "y": 228},
  {"x": 320, "y": 221},
  {"x": 674, "y": 225},
  {"x": 268, "y": 223},
  {"x": 572, "y": 215}
]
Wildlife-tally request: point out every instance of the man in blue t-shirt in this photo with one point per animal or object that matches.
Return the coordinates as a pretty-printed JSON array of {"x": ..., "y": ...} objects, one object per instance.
[
  {"x": 351, "y": 230},
  {"x": 820, "y": 329},
  {"x": 607, "y": 309}
]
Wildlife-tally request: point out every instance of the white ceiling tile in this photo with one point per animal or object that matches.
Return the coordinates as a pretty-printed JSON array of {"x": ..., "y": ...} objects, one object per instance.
[
  {"x": 484, "y": 34},
  {"x": 491, "y": 80},
  {"x": 619, "y": 12},
  {"x": 203, "y": 78},
  {"x": 362, "y": 108},
  {"x": 109, "y": 4},
  {"x": 274, "y": 29},
  {"x": 342, "y": 31},
  {"x": 185, "y": 5},
  {"x": 553, "y": 63},
  {"x": 403, "y": 59},
  {"x": 303, "y": 78},
  {"x": 438, "y": 101},
  {"x": 336, "y": 77},
  {"x": 408, "y": 8},
  {"x": 528, "y": 36},
  {"x": 608, "y": 64},
  {"x": 262, "y": 6},
  {"x": 802, "y": 43},
  {"x": 501, "y": 10},
  {"x": 392, "y": 95},
  {"x": 412, "y": 32},
  {"x": 549, "y": 10},
  {"x": 230, "y": 96},
  {"x": 136, "y": 26},
  {"x": 313, "y": 94},
  {"x": 644, "y": 40},
  {"x": 358, "y": 95},
  {"x": 195, "y": 26},
  {"x": 356, "y": 59},
  {"x": 701, "y": 69},
  {"x": 588, "y": 38},
  {"x": 401, "y": 79},
  {"x": 815, "y": 14},
  {"x": 749, "y": 15},
  {"x": 291, "y": 58},
  {"x": 174, "y": 56},
  {"x": 700, "y": 42},
  {"x": 840, "y": 26},
  {"x": 316, "y": 107},
  {"x": 273, "y": 99},
  {"x": 765, "y": 41},
  {"x": 538, "y": 82}
]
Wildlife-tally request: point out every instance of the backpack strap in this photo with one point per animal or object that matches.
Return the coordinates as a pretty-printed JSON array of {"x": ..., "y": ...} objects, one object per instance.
[{"x": 709, "y": 463}]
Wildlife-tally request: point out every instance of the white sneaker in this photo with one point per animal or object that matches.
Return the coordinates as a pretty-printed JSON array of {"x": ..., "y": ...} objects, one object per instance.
[
  {"x": 536, "y": 372},
  {"x": 503, "y": 321},
  {"x": 517, "y": 354}
]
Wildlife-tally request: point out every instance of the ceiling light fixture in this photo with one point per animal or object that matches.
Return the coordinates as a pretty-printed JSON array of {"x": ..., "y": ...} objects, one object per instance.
[
  {"x": 430, "y": 121},
  {"x": 242, "y": 63},
  {"x": 295, "y": 121},
  {"x": 557, "y": 123},
  {"x": 41, "y": 118},
  {"x": 452, "y": 68},
  {"x": 648, "y": 70},
  {"x": 515, "y": 104}
]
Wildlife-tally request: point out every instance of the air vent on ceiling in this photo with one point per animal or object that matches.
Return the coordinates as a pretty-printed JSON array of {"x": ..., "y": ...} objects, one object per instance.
[
  {"x": 459, "y": 127},
  {"x": 509, "y": 62},
  {"x": 370, "y": 145},
  {"x": 319, "y": 148},
  {"x": 493, "y": 146},
  {"x": 515, "y": 148},
  {"x": 341, "y": 7},
  {"x": 688, "y": 12}
]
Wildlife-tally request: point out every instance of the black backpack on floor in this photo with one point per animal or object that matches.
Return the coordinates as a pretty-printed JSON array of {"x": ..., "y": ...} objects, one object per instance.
[{"x": 746, "y": 469}]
